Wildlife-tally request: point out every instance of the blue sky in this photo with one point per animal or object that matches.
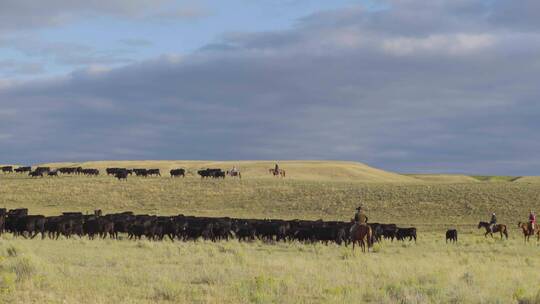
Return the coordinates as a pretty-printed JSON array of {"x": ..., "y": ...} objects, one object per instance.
[
  {"x": 150, "y": 32},
  {"x": 404, "y": 85}
]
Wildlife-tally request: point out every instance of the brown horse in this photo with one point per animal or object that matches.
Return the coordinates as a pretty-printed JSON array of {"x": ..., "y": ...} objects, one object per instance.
[
  {"x": 278, "y": 172},
  {"x": 527, "y": 230},
  {"x": 361, "y": 234},
  {"x": 497, "y": 228}
]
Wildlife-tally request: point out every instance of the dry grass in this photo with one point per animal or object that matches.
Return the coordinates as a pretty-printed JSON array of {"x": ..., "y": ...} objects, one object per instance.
[
  {"x": 432, "y": 204},
  {"x": 296, "y": 170},
  {"x": 105, "y": 271},
  {"x": 445, "y": 178},
  {"x": 81, "y": 271}
]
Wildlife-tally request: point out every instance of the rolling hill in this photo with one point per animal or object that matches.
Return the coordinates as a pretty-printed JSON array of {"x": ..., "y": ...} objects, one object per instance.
[{"x": 296, "y": 170}]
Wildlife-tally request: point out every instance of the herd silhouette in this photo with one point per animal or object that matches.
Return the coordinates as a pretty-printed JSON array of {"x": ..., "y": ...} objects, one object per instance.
[
  {"x": 188, "y": 228},
  {"x": 124, "y": 173}
]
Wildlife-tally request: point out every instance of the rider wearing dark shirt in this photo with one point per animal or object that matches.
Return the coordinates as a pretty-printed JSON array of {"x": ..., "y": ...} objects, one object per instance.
[{"x": 493, "y": 221}]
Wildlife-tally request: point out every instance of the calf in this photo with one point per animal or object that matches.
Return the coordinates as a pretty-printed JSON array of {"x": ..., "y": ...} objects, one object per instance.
[{"x": 451, "y": 235}]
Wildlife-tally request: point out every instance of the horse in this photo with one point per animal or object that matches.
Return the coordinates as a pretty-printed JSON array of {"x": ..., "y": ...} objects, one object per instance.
[
  {"x": 234, "y": 173},
  {"x": 278, "y": 172},
  {"x": 527, "y": 230},
  {"x": 359, "y": 233},
  {"x": 496, "y": 228}
]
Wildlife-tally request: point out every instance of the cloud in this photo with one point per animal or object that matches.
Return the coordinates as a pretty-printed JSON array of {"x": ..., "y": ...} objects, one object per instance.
[
  {"x": 184, "y": 13},
  {"x": 135, "y": 42},
  {"x": 14, "y": 67},
  {"x": 66, "y": 53},
  {"x": 413, "y": 87},
  {"x": 27, "y": 14}
]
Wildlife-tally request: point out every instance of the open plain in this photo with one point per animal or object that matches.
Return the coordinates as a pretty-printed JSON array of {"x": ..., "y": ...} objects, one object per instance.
[{"x": 475, "y": 270}]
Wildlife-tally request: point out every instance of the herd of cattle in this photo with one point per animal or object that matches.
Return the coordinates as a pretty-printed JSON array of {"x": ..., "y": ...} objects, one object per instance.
[
  {"x": 181, "y": 227},
  {"x": 119, "y": 173}
]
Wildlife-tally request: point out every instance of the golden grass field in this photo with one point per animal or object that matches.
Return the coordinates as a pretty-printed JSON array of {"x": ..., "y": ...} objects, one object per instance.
[{"x": 477, "y": 270}]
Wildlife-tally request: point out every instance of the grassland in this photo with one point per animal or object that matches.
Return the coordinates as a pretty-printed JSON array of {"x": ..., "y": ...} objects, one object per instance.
[
  {"x": 81, "y": 271},
  {"x": 106, "y": 271}
]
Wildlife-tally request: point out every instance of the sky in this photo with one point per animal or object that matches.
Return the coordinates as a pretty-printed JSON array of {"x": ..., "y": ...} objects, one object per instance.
[{"x": 403, "y": 85}]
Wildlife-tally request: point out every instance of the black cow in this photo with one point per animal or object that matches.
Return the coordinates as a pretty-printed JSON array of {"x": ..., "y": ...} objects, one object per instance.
[
  {"x": 178, "y": 172},
  {"x": 91, "y": 172},
  {"x": 140, "y": 172},
  {"x": 43, "y": 169},
  {"x": 23, "y": 169},
  {"x": 112, "y": 171},
  {"x": 8, "y": 169},
  {"x": 451, "y": 235},
  {"x": 31, "y": 224},
  {"x": 214, "y": 173},
  {"x": 36, "y": 174},
  {"x": 403, "y": 233},
  {"x": 155, "y": 172},
  {"x": 121, "y": 174},
  {"x": 53, "y": 173},
  {"x": 389, "y": 231}
]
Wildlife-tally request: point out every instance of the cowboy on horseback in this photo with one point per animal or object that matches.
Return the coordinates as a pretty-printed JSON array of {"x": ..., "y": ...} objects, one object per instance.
[
  {"x": 532, "y": 221},
  {"x": 492, "y": 222},
  {"x": 360, "y": 218},
  {"x": 360, "y": 230}
]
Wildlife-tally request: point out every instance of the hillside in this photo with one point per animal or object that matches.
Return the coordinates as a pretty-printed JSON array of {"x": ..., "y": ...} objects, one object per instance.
[
  {"x": 528, "y": 179},
  {"x": 295, "y": 170},
  {"x": 444, "y": 178}
]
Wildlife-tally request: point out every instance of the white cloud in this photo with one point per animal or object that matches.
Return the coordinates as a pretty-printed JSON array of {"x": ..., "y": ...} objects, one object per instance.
[
  {"x": 402, "y": 88},
  {"x": 453, "y": 44}
]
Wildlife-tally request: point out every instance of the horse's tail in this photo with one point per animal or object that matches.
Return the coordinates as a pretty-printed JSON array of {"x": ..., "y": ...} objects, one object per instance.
[{"x": 370, "y": 237}]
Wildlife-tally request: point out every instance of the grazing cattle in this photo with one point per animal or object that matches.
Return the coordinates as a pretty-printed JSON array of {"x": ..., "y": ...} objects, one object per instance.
[
  {"x": 29, "y": 226},
  {"x": 70, "y": 170},
  {"x": 152, "y": 172},
  {"x": 36, "y": 174},
  {"x": 91, "y": 172},
  {"x": 7, "y": 169},
  {"x": 121, "y": 174},
  {"x": 389, "y": 231},
  {"x": 43, "y": 169},
  {"x": 140, "y": 172},
  {"x": 53, "y": 173},
  {"x": 403, "y": 233},
  {"x": 214, "y": 173},
  {"x": 112, "y": 171},
  {"x": 178, "y": 172},
  {"x": 155, "y": 228},
  {"x": 451, "y": 235},
  {"x": 23, "y": 169}
]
